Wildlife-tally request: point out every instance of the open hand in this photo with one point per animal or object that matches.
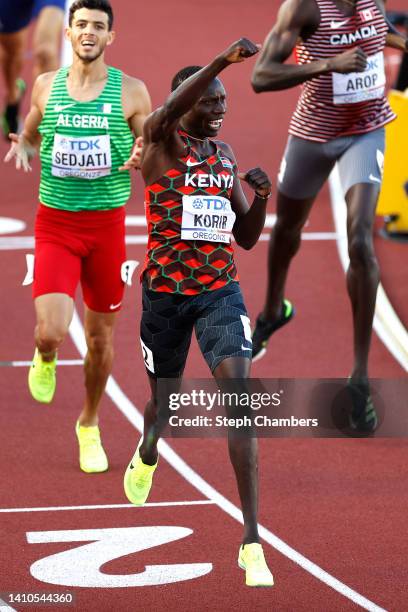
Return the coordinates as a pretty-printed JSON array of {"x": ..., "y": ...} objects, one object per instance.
[
  {"x": 135, "y": 159},
  {"x": 22, "y": 151}
]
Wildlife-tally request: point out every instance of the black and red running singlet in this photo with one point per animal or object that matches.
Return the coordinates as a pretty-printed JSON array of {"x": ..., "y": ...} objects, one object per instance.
[{"x": 189, "y": 219}]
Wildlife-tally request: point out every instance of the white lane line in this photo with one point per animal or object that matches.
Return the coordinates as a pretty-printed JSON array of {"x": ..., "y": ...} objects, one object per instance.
[
  {"x": 135, "y": 221},
  {"x": 387, "y": 325},
  {"x": 130, "y": 411},
  {"x": 24, "y": 364},
  {"x": 198, "y": 502},
  {"x": 11, "y": 243},
  {"x": 14, "y": 243},
  {"x": 307, "y": 236}
]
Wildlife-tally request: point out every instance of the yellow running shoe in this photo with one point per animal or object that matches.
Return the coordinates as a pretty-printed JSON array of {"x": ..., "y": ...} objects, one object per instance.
[
  {"x": 92, "y": 457},
  {"x": 42, "y": 378},
  {"x": 138, "y": 479},
  {"x": 251, "y": 559}
]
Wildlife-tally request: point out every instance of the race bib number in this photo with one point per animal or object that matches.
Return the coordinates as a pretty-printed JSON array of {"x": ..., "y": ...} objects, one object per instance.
[
  {"x": 360, "y": 86},
  {"x": 208, "y": 218},
  {"x": 87, "y": 157}
]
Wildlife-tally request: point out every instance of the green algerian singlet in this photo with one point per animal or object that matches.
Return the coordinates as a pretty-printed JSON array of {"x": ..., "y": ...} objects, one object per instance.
[{"x": 83, "y": 145}]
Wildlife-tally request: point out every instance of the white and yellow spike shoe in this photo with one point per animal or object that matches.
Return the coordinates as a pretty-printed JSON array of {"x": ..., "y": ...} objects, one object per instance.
[
  {"x": 251, "y": 559},
  {"x": 92, "y": 457},
  {"x": 138, "y": 479},
  {"x": 42, "y": 378}
]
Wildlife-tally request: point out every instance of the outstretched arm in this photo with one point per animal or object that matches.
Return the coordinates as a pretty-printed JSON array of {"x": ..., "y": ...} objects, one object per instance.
[
  {"x": 297, "y": 17},
  {"x": 162, "y": 123}
]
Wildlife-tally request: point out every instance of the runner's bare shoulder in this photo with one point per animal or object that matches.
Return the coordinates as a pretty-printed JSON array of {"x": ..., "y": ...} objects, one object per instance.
[
  {"x": 133, "y": 85},
  {"x": 298, "y": 14},
  {"x": 42, "y": 88},
  {"x": 135, "y": 96}
]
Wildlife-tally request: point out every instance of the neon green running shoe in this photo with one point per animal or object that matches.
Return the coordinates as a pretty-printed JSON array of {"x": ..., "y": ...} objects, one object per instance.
[
  {"x": 251, "y": 559},
  {"x": 138, "y": 479},
  {"x": 92, "y": 457},
  {"x": 42, "y": 378}
]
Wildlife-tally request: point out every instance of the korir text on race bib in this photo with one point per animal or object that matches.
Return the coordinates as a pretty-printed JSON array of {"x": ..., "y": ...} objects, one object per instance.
[{"x": 208, "y": 218}]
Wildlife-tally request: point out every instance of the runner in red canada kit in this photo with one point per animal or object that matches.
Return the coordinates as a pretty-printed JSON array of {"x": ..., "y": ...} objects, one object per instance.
[{"x": 340, "y": 117}]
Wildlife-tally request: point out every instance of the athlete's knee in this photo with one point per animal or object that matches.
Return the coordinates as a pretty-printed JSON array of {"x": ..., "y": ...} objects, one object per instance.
[
  {"x": 288, "y": 235},
  {"x": 50, "y": 334},
  {"x": 361, "y": 251},
  {"x": 100, "y": 343},
  {"x": 46, "y": 57}
]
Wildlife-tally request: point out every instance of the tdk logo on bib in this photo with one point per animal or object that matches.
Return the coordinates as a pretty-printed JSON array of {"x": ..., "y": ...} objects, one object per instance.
[
  {"x": 208, "y": 218},
  {"x": 211, "y": 203},
  {"x": 81, "y": 145},
  {"x": 87, "y": 157}
]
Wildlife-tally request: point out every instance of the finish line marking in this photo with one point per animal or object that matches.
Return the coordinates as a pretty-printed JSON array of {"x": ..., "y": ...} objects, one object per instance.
[{"x": 198, "y": 502}]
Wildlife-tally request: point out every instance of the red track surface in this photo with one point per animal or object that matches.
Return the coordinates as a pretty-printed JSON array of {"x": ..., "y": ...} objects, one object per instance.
[{"x": 341, "y": 503}]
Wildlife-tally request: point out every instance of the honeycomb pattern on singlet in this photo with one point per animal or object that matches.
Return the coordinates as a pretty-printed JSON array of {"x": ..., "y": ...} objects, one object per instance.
[{"x": 187, "y": 267}]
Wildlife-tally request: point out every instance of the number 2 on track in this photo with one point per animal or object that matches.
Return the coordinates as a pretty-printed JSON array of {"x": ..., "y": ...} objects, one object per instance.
[{"x": 80, "y": 566}]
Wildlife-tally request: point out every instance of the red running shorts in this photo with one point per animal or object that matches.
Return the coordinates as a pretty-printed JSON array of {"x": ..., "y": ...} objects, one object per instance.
[{"x": 83, "y": 246}]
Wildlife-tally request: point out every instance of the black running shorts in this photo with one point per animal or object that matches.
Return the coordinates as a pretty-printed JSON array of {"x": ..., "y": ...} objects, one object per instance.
[{"x": 220, "y": 321}]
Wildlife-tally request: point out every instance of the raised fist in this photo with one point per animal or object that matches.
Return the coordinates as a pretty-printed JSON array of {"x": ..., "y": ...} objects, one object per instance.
[{"x": 240, "y": 50}]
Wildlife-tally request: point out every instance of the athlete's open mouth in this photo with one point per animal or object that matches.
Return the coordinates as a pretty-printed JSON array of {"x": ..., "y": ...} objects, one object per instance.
[
  {"x": 87, "y": 43},
  {"x": 216, "y": 124}
]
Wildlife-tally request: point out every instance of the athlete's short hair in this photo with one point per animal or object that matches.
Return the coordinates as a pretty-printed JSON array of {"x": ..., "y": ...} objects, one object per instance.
[
  {"x": 182, "y": 75},
  {"x": 93, "y": 5}
]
